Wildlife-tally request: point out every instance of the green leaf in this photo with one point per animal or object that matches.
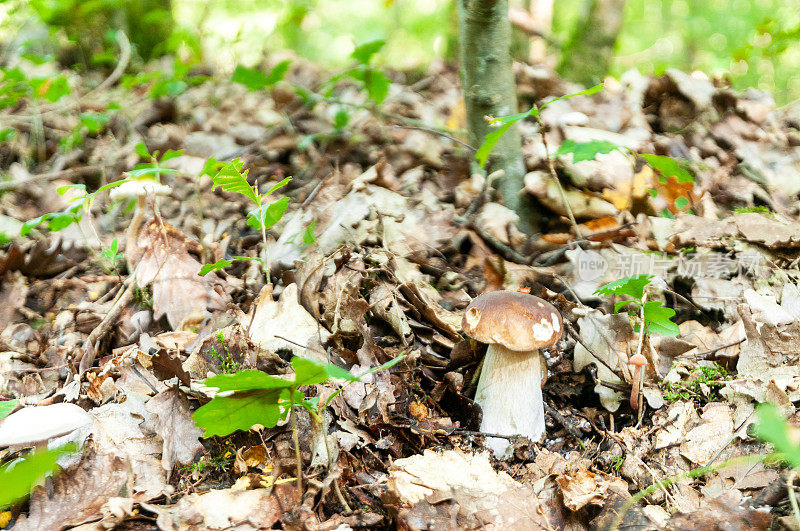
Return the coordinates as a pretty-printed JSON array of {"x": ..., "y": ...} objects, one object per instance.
[
  {"x": 142, "y": 151},
  {"x": 171, "y": 154},
  {"x": 268, "y": 215},
  {"x": 211, "y": 167},
  {"x": 632, "y": 286},
  {"x": 50, "y": 88},
  {"x": 278, "y": 72},
  {"x": 168, "y": 87},
  {"x": 255, "y": 79},
  {"x": 94, "y": 122},
  {"x": 230, "y": 179},
  {"x": 588, "y": 92},
  {"x": 252, "y": 78},
  {"x": 152, "y": 170},
  {"x": 364, "y": 52},
  {"x": 7, "y": 134},
  {"x": 341, "y": 119},
  {"x": 586, "y": 150},
  {"x": 681, "y": 202},
  {"x": 658, "y": 320},
  {"x": 308, "y": 372},
  {"x": 216, "y": 266},
  {"x": 247, "y": 380},
  {"x": 7, "y": 406},
  {"x": 308, "y": 234},
  {"x": 278, "y": 186},
  {"x": 18, "y": 477},
  {"x": 489, "y": 141},
  {"x": 621, "y": 304},
  {"x": 240, "y": 411},
  {"x": 377, "y": 85},
  {"x": 772, "y": 428},
  {"x": 61, "y": 190},
  {"x": 668, "y": 167}
]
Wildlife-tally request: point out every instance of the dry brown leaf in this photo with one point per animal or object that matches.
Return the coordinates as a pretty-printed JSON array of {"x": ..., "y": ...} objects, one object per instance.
[
  {"x": 269, "y": 322},
  {"x": 78, "y": 493},
  {"x": 178, "y": 291},
  {"x": 173, "y": 422}
]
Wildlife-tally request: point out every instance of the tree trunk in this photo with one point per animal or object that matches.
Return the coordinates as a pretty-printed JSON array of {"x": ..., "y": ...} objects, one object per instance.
[
  {"x": 488, "y": 86},
  {"x": 586, "y": 58}
]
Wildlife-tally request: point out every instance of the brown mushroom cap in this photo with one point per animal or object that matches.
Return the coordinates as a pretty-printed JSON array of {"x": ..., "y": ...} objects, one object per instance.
[
  {"x": 517, "y": 321},
  {"x": 638, "y": 360}
]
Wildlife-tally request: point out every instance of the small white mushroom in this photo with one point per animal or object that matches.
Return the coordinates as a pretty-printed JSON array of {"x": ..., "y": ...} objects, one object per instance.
[
  {"x": 34, "y": 426},
  {"x": 515, "y": 325}
]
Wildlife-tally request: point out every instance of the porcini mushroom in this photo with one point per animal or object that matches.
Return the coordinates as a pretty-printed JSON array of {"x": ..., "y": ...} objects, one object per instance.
[
  {"x": 34, "y": 426},
  {"x": 515, "y": 326}
]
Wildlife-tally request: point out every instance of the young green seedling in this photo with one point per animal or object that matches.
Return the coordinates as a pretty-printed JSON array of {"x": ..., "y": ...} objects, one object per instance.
[
  {"x": 231, "y": 178},
  {"x": 648, "y": 317},
  {"x": 253, "y": 397}
]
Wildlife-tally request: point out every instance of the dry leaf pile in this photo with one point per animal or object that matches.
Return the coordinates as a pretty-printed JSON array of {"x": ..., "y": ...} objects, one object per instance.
[{"x": 405, "y": 238}]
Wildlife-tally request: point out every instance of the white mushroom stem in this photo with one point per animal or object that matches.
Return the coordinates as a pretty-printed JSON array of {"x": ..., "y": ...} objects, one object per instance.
[{"x": 510, "y": 395}]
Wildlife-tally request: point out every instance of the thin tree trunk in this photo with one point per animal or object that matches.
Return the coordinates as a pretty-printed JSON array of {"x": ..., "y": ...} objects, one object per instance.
[
  {"x": 488, "y": 86},
  {"x": 586, "y": 58}
]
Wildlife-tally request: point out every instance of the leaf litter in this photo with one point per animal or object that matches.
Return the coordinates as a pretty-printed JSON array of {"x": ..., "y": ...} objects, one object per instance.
[{"x": 403, "y": 237}]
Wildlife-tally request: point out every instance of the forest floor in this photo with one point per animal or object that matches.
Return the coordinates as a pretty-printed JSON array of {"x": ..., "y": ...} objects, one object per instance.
[{"x": 402, "y": 236}]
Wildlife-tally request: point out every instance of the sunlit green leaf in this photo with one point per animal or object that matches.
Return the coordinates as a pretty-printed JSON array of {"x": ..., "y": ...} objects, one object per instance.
[
  {"x": 364, "y": 52},
  {"x": 231, "y": 179},
  {"x": 668, "y": 167},
  {"x": 18, "y": 477},
  {"x": 308, "y": 234},
  {"x": 773, "y": 428},
  {"x": 278, "y": 186},
  {"x": 7, "y": 406},
  {"x": 268, "y": 215},
  {"x": 582, "y": 151},
  {"x": 240, "y": 411},
  {"x": 216, "y": 266},
  {"x": 633, "y": 286},
  {"x": 658, "y": 318}
]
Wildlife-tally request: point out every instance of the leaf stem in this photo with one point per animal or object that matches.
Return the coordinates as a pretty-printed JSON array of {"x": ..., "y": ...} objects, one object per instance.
[{"x": 295, "y": 437}]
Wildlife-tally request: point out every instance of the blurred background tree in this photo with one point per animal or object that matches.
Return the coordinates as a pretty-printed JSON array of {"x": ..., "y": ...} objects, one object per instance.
[{"x": 753, "y": 42}]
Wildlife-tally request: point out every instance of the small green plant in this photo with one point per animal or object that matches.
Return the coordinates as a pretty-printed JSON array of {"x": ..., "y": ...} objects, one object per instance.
[
  {"x": 759, "y": 209},
  {"x": 504, "y": 123},
  {"x": 231, "y": 178},
  {"x": 21, "y": 475},
  {"x": 254, "y": 79},
  {"x": 16, "y": 86},
  {"x": 80, "y": 204},
  {"x": 253, "y": 397},
  {"x": 111, "y": 255},
  {"x": 217, "y": 463},
  {"x": 373, "y": 81},
  {"x": 711, "y": 377},
  {"x": 170, "y": 84},
  {"x": 227, "y": 364},
  {"x": 654, "y": 317},
  {"x": 616, "y": 463}
]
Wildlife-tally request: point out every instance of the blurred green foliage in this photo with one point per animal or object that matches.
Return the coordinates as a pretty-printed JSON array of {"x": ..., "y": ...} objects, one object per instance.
[
  {"x": 147, "y": 23},
  {"x": 753, "y": 42}
]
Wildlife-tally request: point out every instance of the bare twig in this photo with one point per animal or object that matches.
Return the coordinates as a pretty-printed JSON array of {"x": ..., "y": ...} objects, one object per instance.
[
  {"x": 551, "y": 166},
  {"x": 506, "y": 251},
  {"x": 435, "y": 132},
  {"x": 125, "y": 57}
]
